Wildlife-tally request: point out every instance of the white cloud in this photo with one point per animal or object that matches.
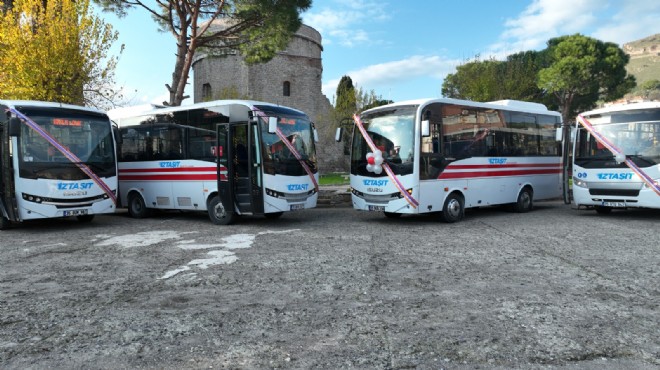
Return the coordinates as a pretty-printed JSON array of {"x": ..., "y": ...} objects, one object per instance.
[
  {"x": 387, "y": 74},
  {"x": 613, "y": 21},
  {"x": 635, "y": 20},
  {"x": 340, "y": 24},
  {"x": 543, "y": 20}
]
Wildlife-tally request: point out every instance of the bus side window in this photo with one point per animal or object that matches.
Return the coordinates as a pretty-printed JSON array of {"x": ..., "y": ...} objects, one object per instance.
[{"x": 431, "y": 160}]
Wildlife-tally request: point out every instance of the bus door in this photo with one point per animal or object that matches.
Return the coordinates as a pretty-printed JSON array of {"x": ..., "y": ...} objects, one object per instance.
[
  {"x": 8, "y": 209},
  {"x": 241, "y": 157}
]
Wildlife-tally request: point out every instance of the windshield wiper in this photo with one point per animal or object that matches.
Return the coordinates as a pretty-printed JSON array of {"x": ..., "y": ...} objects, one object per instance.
[{"x": 642, "y": 158}]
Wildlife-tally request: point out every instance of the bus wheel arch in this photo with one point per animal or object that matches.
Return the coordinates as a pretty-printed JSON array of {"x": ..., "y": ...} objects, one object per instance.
[
  {"x": 137, "y": 207},
  {"x": 454, "y": 208},
  {"x": 218, "y": 212},
  {"x": 525, "y": 200}
]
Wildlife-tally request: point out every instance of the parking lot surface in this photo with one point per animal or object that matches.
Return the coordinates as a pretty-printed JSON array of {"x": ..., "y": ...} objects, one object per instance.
[{"x": 334, "y": 288}]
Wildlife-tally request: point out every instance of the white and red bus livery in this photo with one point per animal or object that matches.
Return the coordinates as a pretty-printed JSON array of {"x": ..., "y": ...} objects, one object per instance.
[
  {"x": 616, "y": 157},
  {"x": 229, "y": 158},
  {"x": 446, "y": 155},
  {"x": 56, "y": 160}
]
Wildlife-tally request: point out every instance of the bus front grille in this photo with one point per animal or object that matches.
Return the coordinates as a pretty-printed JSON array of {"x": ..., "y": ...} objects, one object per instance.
[{"x": 615, "y": 192}]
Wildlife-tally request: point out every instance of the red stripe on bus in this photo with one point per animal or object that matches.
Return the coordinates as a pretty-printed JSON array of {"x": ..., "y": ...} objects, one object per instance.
[
  {"x": 495, "y": 166},
  {"x": 174, "y": 169},
  {"x": 177, "y": 177},
  {"x": 478, "y": 174}
]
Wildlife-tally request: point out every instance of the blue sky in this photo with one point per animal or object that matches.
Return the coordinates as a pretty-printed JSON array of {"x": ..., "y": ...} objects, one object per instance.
[{"x": 401, "y": 49}]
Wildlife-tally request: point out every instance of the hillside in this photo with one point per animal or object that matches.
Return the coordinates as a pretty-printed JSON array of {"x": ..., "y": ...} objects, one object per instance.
[{"x": 644, "y": 58}]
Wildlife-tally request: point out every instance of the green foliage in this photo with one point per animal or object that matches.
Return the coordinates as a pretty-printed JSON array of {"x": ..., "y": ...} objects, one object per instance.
[
  {"x": 345, "y": 108},
  {"x": 334, "y": 179},
  {"x": 570, "y": 75},
  {"x": 56, "y": 51},
  {"x": 367, "y": 100},
  {"x": 491, "y": 80},
  {"x": 230, "y": 92},
  {"x": 276, "y": 22},
  {"x": 583, "y": 70},
  {"x": 346, "y": 104}
]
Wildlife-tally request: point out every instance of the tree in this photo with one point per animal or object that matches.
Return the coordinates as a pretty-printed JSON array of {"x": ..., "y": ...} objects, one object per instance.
[
  {"x": 257, "y": 28},
  {"x": 649, "y": 89},
  {"x": 489, "y": 80},
  {"x": 583, "y": 70},
  {"x": 367, "y": 100},
  {"x": 56, "y": 51},
  {"x": 345, "y": 108}
]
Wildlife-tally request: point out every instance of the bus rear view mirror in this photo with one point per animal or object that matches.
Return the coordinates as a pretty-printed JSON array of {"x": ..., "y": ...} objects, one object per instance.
[
  {"x": 14, "y": 126},
  {"x": 338, "y": 134},
  {"x": 272, "y": 125},
  {"x": 316, "y": 135},
  {"x": 426, "y": 128}
]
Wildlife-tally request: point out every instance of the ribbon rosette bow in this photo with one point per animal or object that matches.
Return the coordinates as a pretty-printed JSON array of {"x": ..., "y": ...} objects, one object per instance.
[{"x": 375, "y": 162}]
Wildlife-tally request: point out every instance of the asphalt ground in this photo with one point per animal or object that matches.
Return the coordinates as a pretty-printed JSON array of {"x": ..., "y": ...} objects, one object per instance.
[{"x": 334, "y": 288}]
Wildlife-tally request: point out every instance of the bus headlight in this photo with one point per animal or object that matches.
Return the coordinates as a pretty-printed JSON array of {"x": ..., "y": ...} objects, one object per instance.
[
  {"x": 34, "y": 198},
  {"x": 579, "y": 182},
  {"x": 274, "y": 193}
]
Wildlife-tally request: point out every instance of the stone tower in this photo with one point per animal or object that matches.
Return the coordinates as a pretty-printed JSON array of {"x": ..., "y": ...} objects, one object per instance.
[{"x": 292, "y": 78}]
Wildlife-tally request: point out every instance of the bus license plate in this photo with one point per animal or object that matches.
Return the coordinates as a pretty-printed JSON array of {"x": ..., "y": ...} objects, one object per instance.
[
  {"x": 75, "y": 212},
  {"x": 614, "y": 204},
  {"x": 297, "y": 207},
  {"x": 377, "y": 208}
]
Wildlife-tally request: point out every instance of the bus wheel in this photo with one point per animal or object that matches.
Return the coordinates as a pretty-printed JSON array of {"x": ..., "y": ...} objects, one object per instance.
[
  {"x": 218, "y": 214},
  {"x": 392, "y": 215},
  {"x": 453, "y": 209},
  {"x": 525, "y": 201},
  {"x": 603, "y": 210},
  {"x": 273, "y": 215},
  {"x": 85, "y": 218},
  {"x": 136, "y": 206}
]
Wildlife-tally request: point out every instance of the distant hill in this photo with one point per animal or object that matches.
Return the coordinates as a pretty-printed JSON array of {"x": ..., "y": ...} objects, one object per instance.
[{"x": 644, "y": 58}]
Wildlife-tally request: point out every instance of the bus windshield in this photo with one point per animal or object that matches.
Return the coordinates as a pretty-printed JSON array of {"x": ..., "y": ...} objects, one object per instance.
[
  {"x": 85, "y": 134},
  {"x": 277, "y": 157},
  {"x": 392, "y": 132},
  {"x": 635, "y": 133}
]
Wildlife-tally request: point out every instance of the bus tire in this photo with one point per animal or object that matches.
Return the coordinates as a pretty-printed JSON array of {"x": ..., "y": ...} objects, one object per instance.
[
  {"x": 454, "y": 208},
  {"x": 136, "y": 206},
  {"x": 392, "y": 215},
  {"x": 525, "y": 200},
  {"x": 603, "y": 210},
  {"x": 85, "y": 218},
  {"x": 273, "y": 215},
  {"x": 217, "y": 212}
]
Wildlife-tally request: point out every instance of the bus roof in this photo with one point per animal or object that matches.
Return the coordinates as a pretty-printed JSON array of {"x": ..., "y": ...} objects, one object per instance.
[
  {"x": 513, "y": 105},
  {"x": 44, "y": 104},
  {"x": 146, "y": 109},
  {"x": 624, "y": 107}
]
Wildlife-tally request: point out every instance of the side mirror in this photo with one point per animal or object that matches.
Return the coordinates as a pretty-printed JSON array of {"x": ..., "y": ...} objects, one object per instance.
[
  {"x": 14, "y": 126},
  {"x": 426, "y": 128},
  {"x": 338, "y": 134},
  {"x": 559, "y": 134},
  {"x": 573, "y": 134},
  {"x": 316, "y": 135},
  {"x": 272, "y": 125}
]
